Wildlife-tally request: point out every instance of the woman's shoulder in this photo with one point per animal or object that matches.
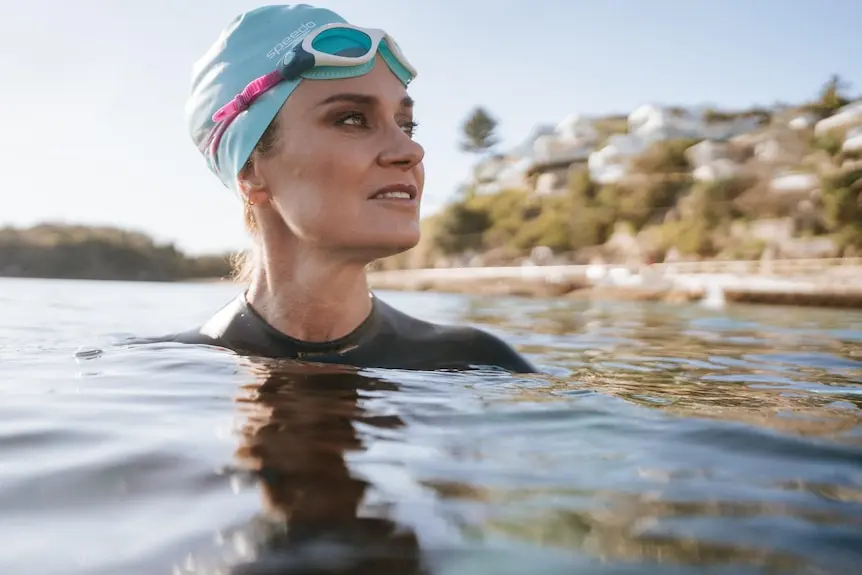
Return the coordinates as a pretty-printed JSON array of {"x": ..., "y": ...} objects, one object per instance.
[
  {"x": 458, "y": 344},
  {"x": 217, "y": 331}
]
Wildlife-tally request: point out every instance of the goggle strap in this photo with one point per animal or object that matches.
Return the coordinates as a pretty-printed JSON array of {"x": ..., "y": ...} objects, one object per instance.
[{"x": 249, "y": 94}]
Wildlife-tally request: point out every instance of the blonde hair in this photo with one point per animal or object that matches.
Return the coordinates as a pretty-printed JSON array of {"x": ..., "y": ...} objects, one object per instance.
[{"x": 244, "y": 264}]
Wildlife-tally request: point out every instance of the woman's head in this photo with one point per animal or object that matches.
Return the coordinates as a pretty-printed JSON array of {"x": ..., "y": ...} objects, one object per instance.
[
  {"x": 321, "y": 156},
  {"x": 334, "y": 150}
]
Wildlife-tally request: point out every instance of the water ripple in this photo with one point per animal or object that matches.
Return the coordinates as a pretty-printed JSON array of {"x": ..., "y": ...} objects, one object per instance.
[{"x": 659, "y": 439}]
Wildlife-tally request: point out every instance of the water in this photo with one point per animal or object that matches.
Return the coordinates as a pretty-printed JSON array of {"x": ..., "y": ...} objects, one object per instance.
[{"x": 662, "y": 439}]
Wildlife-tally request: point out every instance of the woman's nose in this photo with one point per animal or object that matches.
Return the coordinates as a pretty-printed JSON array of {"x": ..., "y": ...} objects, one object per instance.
[{"x": 401, "y": 152}]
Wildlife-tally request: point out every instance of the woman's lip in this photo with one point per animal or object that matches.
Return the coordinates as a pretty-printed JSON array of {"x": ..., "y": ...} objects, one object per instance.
[{"x": 403, "y": 188}]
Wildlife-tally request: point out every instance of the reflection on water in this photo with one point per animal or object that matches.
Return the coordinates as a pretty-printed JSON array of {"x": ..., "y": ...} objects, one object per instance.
[
  {"x": 660, "y": 439},
  {"x": 297, "y": 431}
]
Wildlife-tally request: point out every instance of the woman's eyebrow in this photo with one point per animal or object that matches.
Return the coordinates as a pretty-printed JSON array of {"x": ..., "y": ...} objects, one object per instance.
[{"x": 363, "y": 99}]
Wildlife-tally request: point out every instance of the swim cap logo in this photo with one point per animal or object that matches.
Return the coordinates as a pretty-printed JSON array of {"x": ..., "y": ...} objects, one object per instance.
[{"x": 290, "y": 40}]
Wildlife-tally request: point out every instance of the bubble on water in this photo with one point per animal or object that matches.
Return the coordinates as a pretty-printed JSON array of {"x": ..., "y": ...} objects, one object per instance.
[
  {"x": 85, "y": 353},
  {"x": 241, "y": 545},
  {"x": 236, "y": 484}
]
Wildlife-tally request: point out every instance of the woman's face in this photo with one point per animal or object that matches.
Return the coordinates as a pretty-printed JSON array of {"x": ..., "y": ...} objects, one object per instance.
[{"x": 340, "y": 146}]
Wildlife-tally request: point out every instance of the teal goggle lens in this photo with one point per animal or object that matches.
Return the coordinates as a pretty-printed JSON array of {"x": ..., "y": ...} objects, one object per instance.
[{"x": 342, "y": 42}]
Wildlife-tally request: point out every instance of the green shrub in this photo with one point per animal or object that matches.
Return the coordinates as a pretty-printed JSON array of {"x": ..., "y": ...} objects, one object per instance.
[
  {"x": 461, "y": 228},
  {"x": 830, "y": 142},
  {"x": 689, "y": 236},
  {"x": 664, "y": 157},
  {"x": 841, "y": 195}
]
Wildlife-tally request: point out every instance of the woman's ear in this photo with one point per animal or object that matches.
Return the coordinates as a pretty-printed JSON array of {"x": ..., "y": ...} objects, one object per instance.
[{"x": 252, "y": 185}]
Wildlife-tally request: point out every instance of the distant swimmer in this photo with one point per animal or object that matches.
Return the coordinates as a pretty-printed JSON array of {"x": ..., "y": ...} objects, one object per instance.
[{"x": 307, "y": 118}]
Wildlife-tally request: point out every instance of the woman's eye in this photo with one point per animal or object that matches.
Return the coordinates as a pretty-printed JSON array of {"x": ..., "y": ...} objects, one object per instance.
[
  {"x": 359, "y": 120},
  {"x": 353, "y": 119}
]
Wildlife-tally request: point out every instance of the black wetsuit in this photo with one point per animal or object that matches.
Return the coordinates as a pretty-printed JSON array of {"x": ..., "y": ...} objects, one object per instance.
[{"x": 388, "y": 338}]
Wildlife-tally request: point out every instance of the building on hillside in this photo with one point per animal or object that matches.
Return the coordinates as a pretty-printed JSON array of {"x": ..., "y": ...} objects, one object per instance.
[
  {"x": 514, "y": 175},
  {"x": 554, "y": 155},
  {"x": 488, "y": 171},
  {"x": 548, "y": 183},
  {"x": 847, "y": 117},
  {"x": 706, "y": 152},
  {"x": 554, "y": 151},
  {"x": 610, "y": 164},
  {"x": 525, "y": 148},
  {"x": 711, "y": 161},
  {"x": 853, "y": 141},
  {"x": 577, "y": 128},
  {"x": 787, "y": 181},
  {"x": 777, "y": 146},
  {"x": 508, "y": 170},
  {"x": 722, "y": 169},
  {"x": 722, "y": 130},
  {"x": 802, "y": 121},
  {"x": 549, "y": 175},
  {"x": 653, "y": 123}
]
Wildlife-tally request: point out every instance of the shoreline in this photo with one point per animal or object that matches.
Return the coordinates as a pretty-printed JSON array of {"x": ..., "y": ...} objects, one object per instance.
[
  {"x": 773, "y": 283},
  {"x": 836, "y": 287},
  {"x": 826, "y": 299}
]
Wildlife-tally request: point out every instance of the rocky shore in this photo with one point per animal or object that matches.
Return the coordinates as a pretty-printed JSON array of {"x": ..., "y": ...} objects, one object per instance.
[{"x": 834, "y": 286}]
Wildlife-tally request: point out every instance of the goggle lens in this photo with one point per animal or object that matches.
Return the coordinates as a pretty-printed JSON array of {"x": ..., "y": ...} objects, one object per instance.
[{"x": 343, "y": 42}]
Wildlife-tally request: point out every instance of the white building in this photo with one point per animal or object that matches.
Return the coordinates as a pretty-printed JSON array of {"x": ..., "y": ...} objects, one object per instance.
[
  {"x": 853, "y": 142},
  {"x": 488, "y": 171},
  {"x": 706, "y": 152},
  {"x": 513, "y": 176},
  {"x": 716, "y": 171},
  {"x": 726, "y": 129},
  {"x": 547, "y": 184},
  {"x": 525, "y": 148},
  {"x": 780, "y": 147},
  {"x": 711, "y": 161},
  {"x": 846, "y": 117},
  {"x": 653, "y": 123},
  {"x": 787, "y": 181},
  {"x": 577, "y": 128},
  {"x": 572, "y": 140},
  {"x": 553, "y": 149},
  {"x": 610, "y": 164},
  {"x": 802, "y": 122}
]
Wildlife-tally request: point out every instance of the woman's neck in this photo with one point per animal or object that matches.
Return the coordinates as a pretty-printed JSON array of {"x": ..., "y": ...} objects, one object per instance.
[{"x": 309, "y": 297}]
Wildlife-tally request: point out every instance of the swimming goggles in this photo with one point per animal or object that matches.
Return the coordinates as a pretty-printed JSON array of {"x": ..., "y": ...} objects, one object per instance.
[{"x": 336, "y": 44}]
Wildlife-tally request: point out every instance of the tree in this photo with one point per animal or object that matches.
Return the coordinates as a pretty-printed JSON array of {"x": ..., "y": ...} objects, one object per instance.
[
  {"x": 831, "y": 96},
  {"x": 479, "y": 131},
  {"x": 461, "y": 228}
]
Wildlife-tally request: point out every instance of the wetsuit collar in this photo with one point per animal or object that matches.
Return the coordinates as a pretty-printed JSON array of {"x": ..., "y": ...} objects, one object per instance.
[{"x": 309, "y": 348}]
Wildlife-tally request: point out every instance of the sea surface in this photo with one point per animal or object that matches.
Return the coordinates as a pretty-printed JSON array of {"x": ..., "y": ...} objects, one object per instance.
[{"x": 659, "y": 439}]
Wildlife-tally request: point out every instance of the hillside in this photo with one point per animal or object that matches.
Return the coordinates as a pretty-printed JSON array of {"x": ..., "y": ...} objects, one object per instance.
[
  {"x": 663, "y": 184},
  {"x": 82, "y": 252}
]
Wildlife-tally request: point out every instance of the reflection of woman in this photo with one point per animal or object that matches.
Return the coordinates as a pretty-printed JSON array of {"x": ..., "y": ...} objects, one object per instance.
[
  {"x": 308, "y": 120},
  {"x": 299, "y": 425}
]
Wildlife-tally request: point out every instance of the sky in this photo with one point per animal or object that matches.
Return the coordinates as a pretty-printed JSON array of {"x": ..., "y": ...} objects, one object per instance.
[{"x": 92, "y": 91}]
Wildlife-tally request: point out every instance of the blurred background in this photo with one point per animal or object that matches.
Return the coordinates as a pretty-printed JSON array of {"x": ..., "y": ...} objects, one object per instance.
[{"x": 628, "y": 133}]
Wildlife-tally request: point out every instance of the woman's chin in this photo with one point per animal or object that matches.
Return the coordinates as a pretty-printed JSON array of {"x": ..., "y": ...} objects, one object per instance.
[
  {"x": 369, "y": 243},
  {"x": 386, "y": 243}
]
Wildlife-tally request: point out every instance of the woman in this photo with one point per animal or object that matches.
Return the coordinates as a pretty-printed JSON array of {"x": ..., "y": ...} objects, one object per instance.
[{"x": 308, "y": 120}]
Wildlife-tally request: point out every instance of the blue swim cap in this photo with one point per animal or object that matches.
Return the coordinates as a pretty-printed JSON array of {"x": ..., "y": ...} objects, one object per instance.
[{"x": 252, "y": 46}]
